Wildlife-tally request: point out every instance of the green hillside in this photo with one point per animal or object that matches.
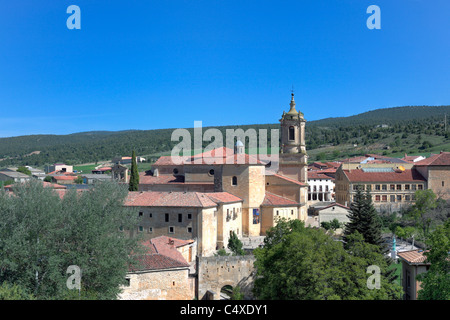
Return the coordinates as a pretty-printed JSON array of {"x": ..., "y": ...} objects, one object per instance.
[{"x": 392, "y": 131}]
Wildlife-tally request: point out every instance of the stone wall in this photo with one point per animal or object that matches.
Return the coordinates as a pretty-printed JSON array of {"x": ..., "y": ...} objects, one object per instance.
[
  {"x": 170, "y": 284},
  {"x": 216, "y": 272}
]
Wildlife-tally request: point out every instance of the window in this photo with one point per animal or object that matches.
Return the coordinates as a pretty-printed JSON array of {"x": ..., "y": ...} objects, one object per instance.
[
  {"x": 377, "y": 187},
  {"x": 377, "y": 198},
  {"x": 384, "y": 187},
  {"x": 140, "y": 214},
  {"x": 211, "y": 172},
  {"x": 166, "y": 217},
  {"x": 189, "y": 216},
  {"x": 392, "y": 198},
  {"x": 292, "y": 212},
  {"x": 407, "y": 197},
  {"x": 406, "y": 186},
  {"x": 399, "y": 197},
  {"x": 180, "y": 217},
  {"x": 414, "y": 187},
  {"x": 255, "y": 216},
  {"x": 419, "y": 187},
  {"x": 175, "y": 171},
  {"x": 392, "y": 187},
  {"x": 127, "y": 282},
  {"x": 150, "y": 230},
  {"x": 141, "y": 228},
  {"x": 171, "y": 230},
  {"x": 327, "y": 188},
  {"x": 150, "y": 215},
  {"x": 234, "y": 181},
  {"x": 189, "y": 229},
  {"x": 121, "y": 228},
  {"x": 291, "y": 133},
  {"x": 277, "y": 212},
  {"x": 384, "y": 198},
  {"x": 399, "y": 187}
]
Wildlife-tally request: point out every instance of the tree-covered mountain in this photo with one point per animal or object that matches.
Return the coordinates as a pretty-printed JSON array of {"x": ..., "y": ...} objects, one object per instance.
[{"x": 391, "y": 130}]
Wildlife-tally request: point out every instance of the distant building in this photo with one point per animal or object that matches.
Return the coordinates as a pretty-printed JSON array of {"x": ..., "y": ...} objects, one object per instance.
[
  {"x": 391, "y": 186},
  {"x": 102, "y": 170},
  {"x": 413, "y": 158},
  {"x": 92, "y": 178},
  {"x": 59, "y": 167},
  {"x": 436, "y": 169},
  {"x": 320, "y": 186},
  {"x": 7, "y": 175},
  {"x": 64, "y": 179}
]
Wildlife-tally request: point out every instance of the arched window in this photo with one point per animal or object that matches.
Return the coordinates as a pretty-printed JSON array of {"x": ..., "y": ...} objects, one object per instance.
[
  {"x": 175, "y": 171},
  {"x": 291, "y": 133},
  {"x": 234, "y": 181}
]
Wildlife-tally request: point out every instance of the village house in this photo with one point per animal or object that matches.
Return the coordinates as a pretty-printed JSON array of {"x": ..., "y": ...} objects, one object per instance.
[
  {"x": 436, "y": 170},
  {"x": 413, "y": 264},
  {"x": 163, "y": 272}
]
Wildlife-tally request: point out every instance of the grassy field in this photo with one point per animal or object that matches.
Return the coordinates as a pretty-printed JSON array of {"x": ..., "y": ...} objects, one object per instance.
[{"x": 84, "y": 168}]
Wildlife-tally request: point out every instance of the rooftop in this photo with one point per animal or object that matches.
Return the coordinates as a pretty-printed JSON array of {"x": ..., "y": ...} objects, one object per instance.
[
  {"x": 271, "y": 199},
  {"x": 441, "y": 159},
  {"x": 413, "y": 256},
  {"x": 408, "y": 175}
]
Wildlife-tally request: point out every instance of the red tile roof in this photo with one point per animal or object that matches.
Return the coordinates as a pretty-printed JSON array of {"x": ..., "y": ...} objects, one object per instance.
[
  {"x": 441, "y": 159},
  {"x": 161, "y": 254},
  {"x": 223, "y": 197},
  {"x": 409, "y": 175},
  {"x": 168, "y": 199},
  {"x": 275, "y": 200},
  {"x": 289, "y": 179},
  {"x": 320, "y": 174},
  {"x": 44, "y": 183},
  {"x": 413, "y": 256},
  {"x": 64, "y": 177}
]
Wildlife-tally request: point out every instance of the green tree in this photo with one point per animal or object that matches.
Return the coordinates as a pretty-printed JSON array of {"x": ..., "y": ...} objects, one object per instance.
[
  {"x": 79, "y": 180},
  {"x": 436, "y": 281},
  {"x": 236, "y": 294},
  {"x": 48, "y": 179},
  {"x": 134, "y": 175},
  {"x": 42, "y": 235},
  {"x": 235, "y": 245},
  {"x": 299, "y": 263},
  {"x": 14, "y": 292},
  {"x": 422, "y": 210},
  {"x": 24, "y": 170}
]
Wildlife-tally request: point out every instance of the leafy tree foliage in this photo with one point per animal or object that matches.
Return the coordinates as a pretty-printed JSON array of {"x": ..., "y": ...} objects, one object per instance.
[
  {"x": 436, "y": 281},
  {"x": 24, "y": 170},
  {"x": 306, "y": 264},
  {"x": 14, "y": 292},
  {"x": 42, "y": 235}
]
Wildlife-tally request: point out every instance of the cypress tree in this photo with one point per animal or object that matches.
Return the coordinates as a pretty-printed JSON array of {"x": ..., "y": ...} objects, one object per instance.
[{"x": 134, "y": 176}]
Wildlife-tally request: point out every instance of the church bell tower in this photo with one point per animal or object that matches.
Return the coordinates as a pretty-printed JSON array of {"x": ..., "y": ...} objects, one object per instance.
[{"x": 293, "y": 157}]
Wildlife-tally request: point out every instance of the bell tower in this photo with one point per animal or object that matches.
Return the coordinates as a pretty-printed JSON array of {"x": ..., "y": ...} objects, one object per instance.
[{"x": 293, "y": 157}]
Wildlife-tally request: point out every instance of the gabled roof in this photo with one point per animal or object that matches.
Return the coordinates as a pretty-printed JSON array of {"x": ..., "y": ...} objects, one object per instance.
[
  {"x": 441, "y": 159},
  {"x": 223, "y": 197},
  {"x": 274, "y": 200}
]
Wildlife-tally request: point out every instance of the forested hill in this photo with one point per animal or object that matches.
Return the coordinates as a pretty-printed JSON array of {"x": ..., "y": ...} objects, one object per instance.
[{"x": 409, "y": 129}]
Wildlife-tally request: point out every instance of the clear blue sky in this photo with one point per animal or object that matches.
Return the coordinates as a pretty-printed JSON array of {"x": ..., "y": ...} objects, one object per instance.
[{"x": 164, "y": 64}]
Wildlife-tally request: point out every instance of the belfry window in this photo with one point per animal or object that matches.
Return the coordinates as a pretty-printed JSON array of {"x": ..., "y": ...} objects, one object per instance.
[
  {"x": 291, "y": 133},
  {"x": 234, "y": 181}
]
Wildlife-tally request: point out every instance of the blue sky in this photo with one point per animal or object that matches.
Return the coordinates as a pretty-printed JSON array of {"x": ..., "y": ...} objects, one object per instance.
[{"x": 164, "y": 64}]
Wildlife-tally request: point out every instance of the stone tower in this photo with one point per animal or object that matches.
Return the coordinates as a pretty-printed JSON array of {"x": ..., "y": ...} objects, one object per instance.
[{"x": 293, "y": 157}]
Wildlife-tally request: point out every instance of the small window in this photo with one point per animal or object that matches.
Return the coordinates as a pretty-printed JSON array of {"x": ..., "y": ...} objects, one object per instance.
[
  {"x": 141, "y": 228},
  {"x": 292, "y": 212},
  {"x": 384, "y": 187},
  {"x": 384, "y": 198},
  {"x": 377, "y": 198},
  {"x": 150, "y": 230},
  {"x": 211, "y": 172},
  {"x": 127, "y": 282},
  {"x": 406, "y": 186},
  {"x": 180, "y": 217},
  {"x": 166, "y": 217},
  {"x": 150, "y": 215},
  {"x": 189, "y": 229},
  {"x": 392, "y": 198},
  {"x": 399, "y": 197},
  {"x": 141, "y": 214},
  {"x": 121, "y": 228},
  {"x": 399, "y": 187},
  {"x": 407, "y": 197},
  {"x": 171, "y": 230},
  {"x": 291, "y": 133},
  {"x": 377, "y": 187},
  {"x": 175, "y": 171},
  {"x": 234, "y": 181},
  {"x": 420, "y": 187},
  {"x": 189, "y": 216},
  {"x": 392, "y": 187},
  {"x": 442, "y": 183}
]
